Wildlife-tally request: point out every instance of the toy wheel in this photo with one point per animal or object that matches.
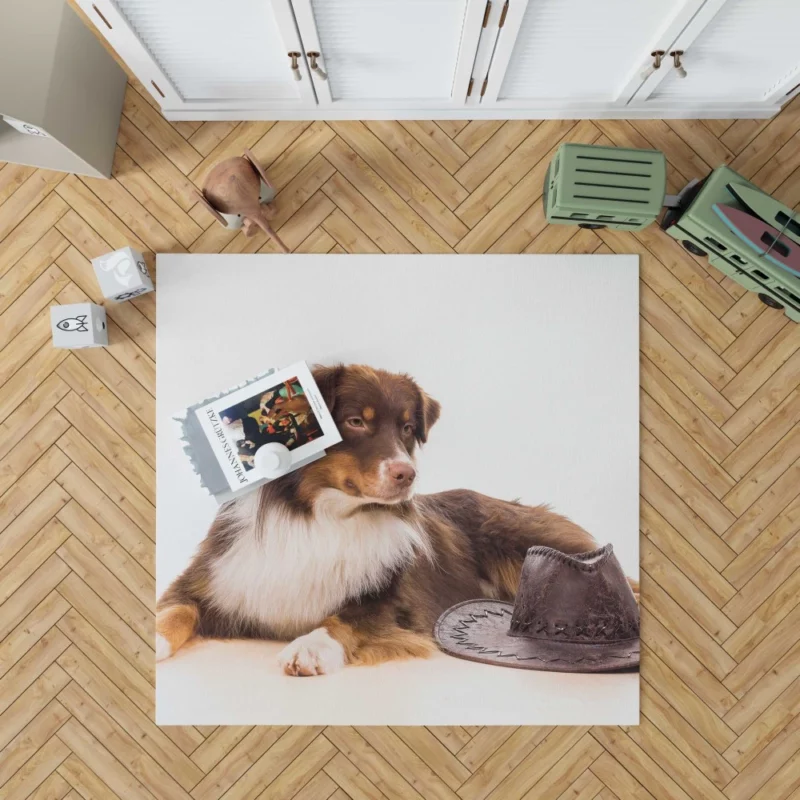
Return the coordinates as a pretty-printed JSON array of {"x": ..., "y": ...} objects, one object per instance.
[
  {"x": 769, "y": 301},
  {"x": 693, "y": 248},
  {"x": 592, "y": 226}
]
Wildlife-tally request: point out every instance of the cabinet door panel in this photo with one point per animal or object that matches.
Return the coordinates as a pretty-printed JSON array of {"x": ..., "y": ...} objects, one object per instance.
[
  {"x": 391, "y": 52},
  {"x": 210, "y": 52},
  {"x": 579, "y": 51},
  {"x": 748, "y": 52}
]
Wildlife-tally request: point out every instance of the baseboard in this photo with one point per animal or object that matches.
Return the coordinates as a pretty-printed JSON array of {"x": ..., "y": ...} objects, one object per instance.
[{"x": 699, "y": 111}]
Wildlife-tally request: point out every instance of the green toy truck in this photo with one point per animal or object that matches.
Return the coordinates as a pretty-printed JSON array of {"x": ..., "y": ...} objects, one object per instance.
[
  {"x": 610, "y": 187},
  {"x": 700, "y": 230}
]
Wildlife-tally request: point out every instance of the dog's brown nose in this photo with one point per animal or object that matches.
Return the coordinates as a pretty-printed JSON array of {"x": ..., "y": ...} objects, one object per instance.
[{"x": 401, "y": 472}]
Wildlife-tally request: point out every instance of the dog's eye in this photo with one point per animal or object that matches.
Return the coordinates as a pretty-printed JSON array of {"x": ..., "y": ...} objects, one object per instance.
[
  {"x": 408, "y": 429},
  {"x": 355, "y": 422}
]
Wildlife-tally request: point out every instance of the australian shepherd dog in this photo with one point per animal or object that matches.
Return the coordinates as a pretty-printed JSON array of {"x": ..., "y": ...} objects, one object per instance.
[{"x": 341, "y": 557}]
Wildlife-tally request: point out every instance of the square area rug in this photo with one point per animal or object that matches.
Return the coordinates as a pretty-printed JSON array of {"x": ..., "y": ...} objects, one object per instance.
[{"x": 535, "y": 362}]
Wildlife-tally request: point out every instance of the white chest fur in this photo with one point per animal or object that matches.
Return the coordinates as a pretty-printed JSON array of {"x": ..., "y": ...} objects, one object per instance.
[{"x": 294, "y": 572}]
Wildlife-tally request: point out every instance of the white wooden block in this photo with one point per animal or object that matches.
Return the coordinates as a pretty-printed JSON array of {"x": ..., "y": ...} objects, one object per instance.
[
  {"x": 78, "y": 325},
  {"x": 122, "y": 275}
]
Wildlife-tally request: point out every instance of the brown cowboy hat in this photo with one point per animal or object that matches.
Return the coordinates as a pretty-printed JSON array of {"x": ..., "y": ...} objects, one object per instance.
[{"x": 572, "y": 613}]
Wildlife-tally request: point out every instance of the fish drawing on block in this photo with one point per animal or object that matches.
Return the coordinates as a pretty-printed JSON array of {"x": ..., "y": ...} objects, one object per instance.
[
  {"x": 74, "y": 324},
  {"x": 764, "y": 239}
]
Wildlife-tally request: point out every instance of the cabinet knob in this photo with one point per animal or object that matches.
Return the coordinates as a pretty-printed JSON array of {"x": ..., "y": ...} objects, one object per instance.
[
  {"x": 676, "y": 60},
  {"x": 657, "y": 55},
  {"x": 295, "y": 65},
  {"x": 315, "y": 68}
]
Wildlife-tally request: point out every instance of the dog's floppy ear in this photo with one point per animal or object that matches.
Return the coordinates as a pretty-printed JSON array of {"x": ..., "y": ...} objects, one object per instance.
[
  {"x": 428, "y": 411},
  {"x": 327, "y": 378}
]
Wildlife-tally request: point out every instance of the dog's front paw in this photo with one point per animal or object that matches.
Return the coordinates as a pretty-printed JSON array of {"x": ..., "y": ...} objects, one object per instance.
[
  {"x": 163, "y": 648},
  {"x": 316, "y": 653}
]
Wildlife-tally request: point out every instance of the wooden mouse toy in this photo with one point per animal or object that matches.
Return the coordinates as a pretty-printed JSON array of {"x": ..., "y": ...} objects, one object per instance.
[{"x": 235, "y": 188}]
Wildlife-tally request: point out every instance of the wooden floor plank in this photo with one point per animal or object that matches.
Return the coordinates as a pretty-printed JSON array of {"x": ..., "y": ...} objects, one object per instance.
[
  {"x": 364, "y": 217},
  {"x": 768, "y": 616},
  {"x": 437, "y": 143},
  {"x": 111, "y": 589},
  {"x": 384, "y": 198},
  {"x": 498, "y": 182},
  {"x": 30, "y": 267},
  {"x": 107, "y": 477},
  {"x": 475, "y": 134},
  {"x": 30, "y": 230},
  {"x": 764, "y": 400},
  {"x": 105, "y": 769},
  {"x": 31, "y": 629},
  {"x": 109, "y": 442},
  {"x": 155, "y": 164},
  {"x": 402, "y": 180},
  {"x": 310, "y": 141},
  {"x": 226, "y": 772},
  {"x": 105, "y": 728},
  {"x": 683, "y": 446},
  {"x": 417, "y": 159},
  {"x": 683, "y": 736},
  {"x": 126, "y": 552},
  {"x": 690, "y": 418},
  {"x": 12, "y": 176},
  {"x": 31, "y": 593},
  {"x": 84, "y": 782},
  {"x": 768, "y": 579},
  {"x": 691, "y": 634},
  {"x": 27, "y": 559},
  {"x": 36, "y": 770},
  {"x": 108, "y": 623},
  {"x": 160, "y": 132},
  {"x": 152, "y": 197},
  {"x": 209, "y": 135},
  {"x": 683, "y": 555},
  {"x": 493, "y": 152},
  {"x": 29, "y": 195}
]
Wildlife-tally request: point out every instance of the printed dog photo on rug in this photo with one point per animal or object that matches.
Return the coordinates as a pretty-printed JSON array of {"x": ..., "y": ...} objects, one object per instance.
[
  {"x": 346, "y": 560},
  {"x": 460, "y": 545},
  {"x": 281, "y": 414}
]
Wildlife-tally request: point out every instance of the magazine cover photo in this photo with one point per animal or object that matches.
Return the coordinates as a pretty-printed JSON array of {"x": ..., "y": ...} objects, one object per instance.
[
  {"x": 281, "y": 414},
  {"x": 283, "y": 409}
]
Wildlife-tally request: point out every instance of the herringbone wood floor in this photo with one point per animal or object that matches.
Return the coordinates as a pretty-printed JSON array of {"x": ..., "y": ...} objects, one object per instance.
[{"x": 720, "y": 378}]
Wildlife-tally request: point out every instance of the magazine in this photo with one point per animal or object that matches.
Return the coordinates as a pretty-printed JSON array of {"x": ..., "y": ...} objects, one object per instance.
[{"x": 284, "y": 407}]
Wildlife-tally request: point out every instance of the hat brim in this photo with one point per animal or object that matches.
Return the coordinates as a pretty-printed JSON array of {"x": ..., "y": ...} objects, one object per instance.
[{"x": 477, "y": 630}]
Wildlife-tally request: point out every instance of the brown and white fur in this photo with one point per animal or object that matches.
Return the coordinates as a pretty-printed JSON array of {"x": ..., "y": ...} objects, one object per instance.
[{"x": 341, "y": 557}]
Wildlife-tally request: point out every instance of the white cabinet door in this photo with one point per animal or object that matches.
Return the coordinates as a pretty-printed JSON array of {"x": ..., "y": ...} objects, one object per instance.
[
  {"x": 572, "y": 54},
  {"x": 385, "y": 54},
  {"x": 208, "y": 54},
  {"x": 734, "y": 51}
]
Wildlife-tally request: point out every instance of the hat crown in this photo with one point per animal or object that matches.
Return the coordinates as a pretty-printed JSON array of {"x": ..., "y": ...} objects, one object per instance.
[{"x": 574, "y": 598}]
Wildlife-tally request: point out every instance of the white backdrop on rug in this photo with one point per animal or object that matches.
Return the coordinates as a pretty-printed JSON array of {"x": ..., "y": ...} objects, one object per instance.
[{"x": 535, "y": 362}]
